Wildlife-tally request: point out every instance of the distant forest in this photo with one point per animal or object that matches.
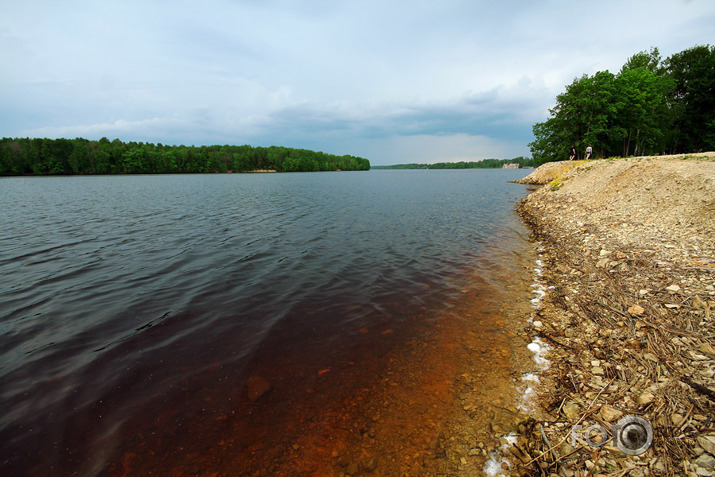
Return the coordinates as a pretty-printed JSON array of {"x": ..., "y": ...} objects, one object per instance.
[
  {"x": 651, "y": 106},
  {"x": 483, "y": 164},
  {"x": 81, "y": 156}
]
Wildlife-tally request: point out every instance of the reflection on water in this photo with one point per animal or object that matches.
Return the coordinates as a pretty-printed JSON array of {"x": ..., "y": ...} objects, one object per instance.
[{"x": 134, "y": 309}]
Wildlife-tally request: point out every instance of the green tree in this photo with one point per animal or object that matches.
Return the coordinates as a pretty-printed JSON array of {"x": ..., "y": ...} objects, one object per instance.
[
  {"x": 81, "y": 156},
  {"x": 78, "y": 160},
  {"x": 644, "y": 59},
  {"x": 132, "y": 161},
  {"x": 641, "y": 111},
  {"x": 692, "y": 98},
  {"x": 582, "y": 116},
  {"x": 650, "y": 107}
]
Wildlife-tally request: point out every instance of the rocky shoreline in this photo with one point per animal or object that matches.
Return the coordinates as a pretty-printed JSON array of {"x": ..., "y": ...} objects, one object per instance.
[{"x": 628, "y": 252}]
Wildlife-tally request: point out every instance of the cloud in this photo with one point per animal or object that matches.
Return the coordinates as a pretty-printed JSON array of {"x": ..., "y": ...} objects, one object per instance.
[{"x": 439, "y": 79}]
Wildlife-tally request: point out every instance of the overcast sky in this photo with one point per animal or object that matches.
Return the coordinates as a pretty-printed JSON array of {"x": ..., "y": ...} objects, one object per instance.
[{"x": 391, "y": 80}]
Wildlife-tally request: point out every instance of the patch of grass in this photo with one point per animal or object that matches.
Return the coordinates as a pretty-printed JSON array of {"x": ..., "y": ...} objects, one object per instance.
[{"x": 557, "y": 183}]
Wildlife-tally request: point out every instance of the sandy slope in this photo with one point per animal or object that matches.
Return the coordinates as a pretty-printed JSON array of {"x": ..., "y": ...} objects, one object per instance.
[{"x": 548, "y": 172}]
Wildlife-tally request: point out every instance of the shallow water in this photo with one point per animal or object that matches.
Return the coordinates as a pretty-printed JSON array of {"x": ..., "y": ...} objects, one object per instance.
[{"x": 134, "y": 308}]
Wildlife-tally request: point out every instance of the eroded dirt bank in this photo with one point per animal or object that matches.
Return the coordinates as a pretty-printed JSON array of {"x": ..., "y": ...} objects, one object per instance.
[{"x": 628, "y": 253}]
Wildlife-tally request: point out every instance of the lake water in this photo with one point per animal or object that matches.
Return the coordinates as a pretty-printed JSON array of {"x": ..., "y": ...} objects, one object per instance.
[{"x": 134, "y": 309}]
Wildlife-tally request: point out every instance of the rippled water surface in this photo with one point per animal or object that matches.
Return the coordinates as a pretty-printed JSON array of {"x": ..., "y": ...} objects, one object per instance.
[{"x": 133, "y": 309}]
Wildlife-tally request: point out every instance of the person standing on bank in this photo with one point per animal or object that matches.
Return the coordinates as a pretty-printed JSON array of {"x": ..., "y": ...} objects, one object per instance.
[
  {"x": 588, "y": 152},
  {"x": 572, "y": 153}
]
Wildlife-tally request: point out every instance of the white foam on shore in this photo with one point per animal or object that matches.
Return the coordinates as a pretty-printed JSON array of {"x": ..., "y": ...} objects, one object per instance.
[
  {"x": 537, "y": 287},
  {"x": 540, "y": 291},
  {"x": 497, "y": 464},
  {"x": 530, "y": 380},
  {"x": 540, "y": 349},
  {"x": 494, "y": 466}
]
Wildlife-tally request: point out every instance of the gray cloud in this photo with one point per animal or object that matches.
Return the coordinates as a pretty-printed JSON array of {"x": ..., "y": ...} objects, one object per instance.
[{"x": 428, "y": 80}]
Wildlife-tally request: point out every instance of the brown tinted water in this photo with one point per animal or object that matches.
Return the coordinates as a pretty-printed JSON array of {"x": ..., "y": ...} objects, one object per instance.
[
  {"x": 136, "y": 309},
  {"x": 389, "y": 406}
]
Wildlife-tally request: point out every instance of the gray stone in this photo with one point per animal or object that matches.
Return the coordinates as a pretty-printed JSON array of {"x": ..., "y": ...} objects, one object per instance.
[
  {"x": 603, "y": 263},
  {"x": 645, "y": 398},
  {"x": 610, "y": 414},
  {"x": 571, "y": 411},
  {"x": 707, "y": 443},
  {"x": 638, "y": 472},
  {"x": 705, "y": 461}
]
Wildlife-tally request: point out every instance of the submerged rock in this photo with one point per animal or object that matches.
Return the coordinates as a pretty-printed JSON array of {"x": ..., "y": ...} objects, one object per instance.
[{"x": 257, "y": 387}]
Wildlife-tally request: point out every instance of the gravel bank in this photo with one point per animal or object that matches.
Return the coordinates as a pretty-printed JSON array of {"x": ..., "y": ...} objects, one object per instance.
[{"x": 628, "y": 252}]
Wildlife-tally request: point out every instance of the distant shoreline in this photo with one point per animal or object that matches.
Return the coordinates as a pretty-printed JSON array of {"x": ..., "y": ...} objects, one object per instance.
[
  {"x": 79, "y": 156},
  {"x": 515, "y": 163}
]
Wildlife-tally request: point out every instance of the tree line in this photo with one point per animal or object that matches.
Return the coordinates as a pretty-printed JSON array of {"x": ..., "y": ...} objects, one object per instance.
[
  {"x": 35, "y": 156},
  {"x": 483, "y": 164},
  {"x": 651, "y": 106}
]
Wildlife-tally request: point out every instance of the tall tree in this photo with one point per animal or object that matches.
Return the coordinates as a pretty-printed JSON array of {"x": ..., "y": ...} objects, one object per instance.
[
  {"x": 693, "y": 98},
  {"x": 641, "y": 113},
  {"x": 581, "y": 117},
  {"x": 650, "y": 107},
  {"x": 644, "y": 59}
]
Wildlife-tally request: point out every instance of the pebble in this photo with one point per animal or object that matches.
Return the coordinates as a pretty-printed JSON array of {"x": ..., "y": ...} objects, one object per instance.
[
  {"x": 707, "y": 443},
  {"x": 676, "y": 419},
  {"x": 705, "y": 461},
  {"x": 571, "y": 411},
  {"x": 645, "y": 398},
  {"x": 636, "y": 310},
  {"x": 610, "y": 414}
]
